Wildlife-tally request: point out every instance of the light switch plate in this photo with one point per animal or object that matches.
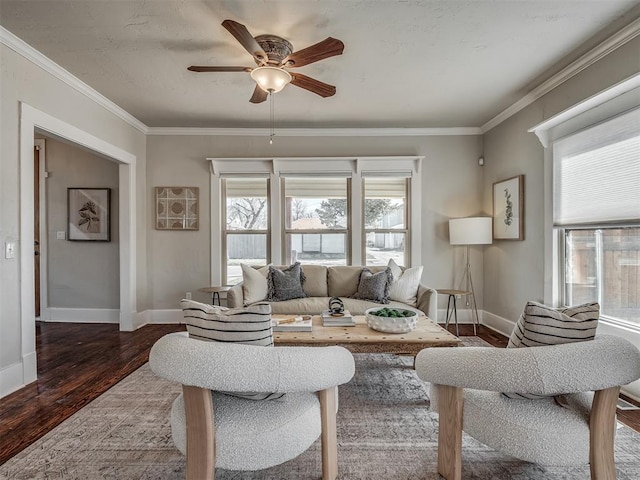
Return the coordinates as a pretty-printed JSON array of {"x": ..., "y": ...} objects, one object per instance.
[
  {"x": 10, "y": 250},
  {"x": 60, "y": 235}
]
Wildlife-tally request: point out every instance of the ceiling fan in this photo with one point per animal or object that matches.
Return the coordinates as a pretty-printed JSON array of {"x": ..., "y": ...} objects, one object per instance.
[{"x": 275, "y": 56}]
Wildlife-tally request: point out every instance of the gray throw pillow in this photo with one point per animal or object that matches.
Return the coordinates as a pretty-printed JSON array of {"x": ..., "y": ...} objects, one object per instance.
[
  {"x": 374, "y": 286},
  {"x": 540, "y": 325},
  {"x": 285, "y": 284}
]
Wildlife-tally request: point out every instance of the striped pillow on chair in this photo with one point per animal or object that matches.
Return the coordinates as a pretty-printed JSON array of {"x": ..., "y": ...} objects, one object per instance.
[
  {"x": 248, "y": 325},
  {"x": 540, "y": 325}
]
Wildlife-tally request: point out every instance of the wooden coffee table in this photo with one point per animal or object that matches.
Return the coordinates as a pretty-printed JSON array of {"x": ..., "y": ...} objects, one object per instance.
[{"x": 362, "y": 339}]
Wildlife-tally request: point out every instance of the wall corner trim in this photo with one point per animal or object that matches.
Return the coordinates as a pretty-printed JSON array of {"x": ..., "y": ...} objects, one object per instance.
[{"x": 27, "y": 51}]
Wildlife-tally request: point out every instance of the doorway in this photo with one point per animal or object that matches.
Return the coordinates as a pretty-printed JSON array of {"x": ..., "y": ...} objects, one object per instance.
[{"x": 31, "y": 121}]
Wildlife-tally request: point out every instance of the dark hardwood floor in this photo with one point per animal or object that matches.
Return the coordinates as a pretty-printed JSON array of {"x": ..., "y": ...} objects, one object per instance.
[{"x": 79, "y": 362}]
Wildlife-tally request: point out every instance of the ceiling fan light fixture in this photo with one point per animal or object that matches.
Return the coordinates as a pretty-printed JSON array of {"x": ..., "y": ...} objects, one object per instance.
[{"x": 271, "y": 79}]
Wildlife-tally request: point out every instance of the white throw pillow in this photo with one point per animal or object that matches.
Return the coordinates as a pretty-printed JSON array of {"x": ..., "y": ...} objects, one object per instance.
[
  {"x": 254, "y": 284},
  {"x": 250, "y": 326},
  {"x": 404, "y": 287},
  {"x": 540, "y": 325}
]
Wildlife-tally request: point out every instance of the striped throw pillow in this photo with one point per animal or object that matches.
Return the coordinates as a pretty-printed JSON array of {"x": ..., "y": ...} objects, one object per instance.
[
  {"x": 247, "y": 325},
  {"x": 540, "y": 325}
]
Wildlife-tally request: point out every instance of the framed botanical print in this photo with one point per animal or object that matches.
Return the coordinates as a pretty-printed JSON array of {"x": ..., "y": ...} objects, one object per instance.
[
  {"x": 508, "y": 209},
  {"x": 88, "y": 214}
]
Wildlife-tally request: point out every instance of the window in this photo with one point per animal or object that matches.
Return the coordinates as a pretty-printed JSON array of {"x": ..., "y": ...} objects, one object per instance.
[
  {"x": 316, "y": 210},
  {"x": 316, "y": 220},
  {"x": 597, "y": 212},
  {"x": 385, "y": 220},
  {"x": 246, "y": 225}
]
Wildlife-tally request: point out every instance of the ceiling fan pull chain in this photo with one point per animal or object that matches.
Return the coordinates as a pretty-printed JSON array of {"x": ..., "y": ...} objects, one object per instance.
[{"x": 271, "y": 118}]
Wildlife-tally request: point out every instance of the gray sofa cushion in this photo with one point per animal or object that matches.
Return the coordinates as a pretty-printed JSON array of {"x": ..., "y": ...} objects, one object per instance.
[
  {"x": 342, "y": 281},
  {"x": 315, "y": 306},
  {"x": 315, "y": 283}
]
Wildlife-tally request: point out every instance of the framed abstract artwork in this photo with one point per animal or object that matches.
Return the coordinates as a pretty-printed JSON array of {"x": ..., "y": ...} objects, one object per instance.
[
  {"x": 88, "y": 214},
  {"x": 176, "y": 208},
  {"x": 508, "y": 209}
]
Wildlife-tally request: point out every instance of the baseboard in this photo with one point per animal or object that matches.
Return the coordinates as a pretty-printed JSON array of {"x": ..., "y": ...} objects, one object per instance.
[
  {"x": 465, "y": 315},
  {"x": 82, "y": 315},
  {"x": 141, "y": 319},
  {"x": 497, "y": 323},
  {"x": 165, "y": 316},
  {"x": 11, "y": 379}
]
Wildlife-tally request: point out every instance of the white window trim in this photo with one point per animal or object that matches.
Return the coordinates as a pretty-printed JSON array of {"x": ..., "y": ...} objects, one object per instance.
[{"x": 276, "y": 166}]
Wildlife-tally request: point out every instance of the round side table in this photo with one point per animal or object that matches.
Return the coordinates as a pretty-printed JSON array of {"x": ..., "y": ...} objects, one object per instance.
[
  {"x": 215, "y": 292},
  {"x": 454, "y": 311}
]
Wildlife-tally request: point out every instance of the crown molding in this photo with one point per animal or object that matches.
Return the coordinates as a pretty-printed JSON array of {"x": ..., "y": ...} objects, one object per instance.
[
  {"x": 615, "y": 41},
  {"x": 623, "y": 36},
  {"x": 27, "y": 51},
  {"x": 316, "y": 132}
]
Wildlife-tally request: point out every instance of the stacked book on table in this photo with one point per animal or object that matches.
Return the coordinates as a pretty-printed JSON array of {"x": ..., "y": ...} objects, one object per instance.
[
  {"x": 292, "y": 324},
  {"x": 332, "y": 320}
]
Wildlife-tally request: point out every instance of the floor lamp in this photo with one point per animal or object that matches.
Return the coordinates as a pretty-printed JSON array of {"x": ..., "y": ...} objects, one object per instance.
[{"x": 470, "y": 231}]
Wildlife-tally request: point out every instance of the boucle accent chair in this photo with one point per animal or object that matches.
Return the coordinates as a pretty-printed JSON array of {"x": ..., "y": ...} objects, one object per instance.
[
  {"x": 217, "y": 430},
  {"x": 541, "y": 430}
]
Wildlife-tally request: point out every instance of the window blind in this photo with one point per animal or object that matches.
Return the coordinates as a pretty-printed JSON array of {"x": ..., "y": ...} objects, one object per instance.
[
  {"x": 246, "y": 187},
  {"x": 316, "y": 187},
  {"x": 597, "y": 173},
  {"x": 391, "y": 187}
]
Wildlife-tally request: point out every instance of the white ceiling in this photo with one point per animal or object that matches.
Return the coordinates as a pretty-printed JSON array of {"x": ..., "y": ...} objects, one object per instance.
[{"x": 406, "y": 63}]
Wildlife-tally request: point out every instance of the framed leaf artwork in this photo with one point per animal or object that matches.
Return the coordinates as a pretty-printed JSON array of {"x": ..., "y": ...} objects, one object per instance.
[{"x": 508, "y": 209}]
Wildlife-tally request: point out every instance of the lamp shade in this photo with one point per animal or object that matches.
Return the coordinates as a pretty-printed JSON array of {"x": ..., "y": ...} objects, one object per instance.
[
  {"x": 470, "y": 231},
  {"x": 271, "y": 79}
]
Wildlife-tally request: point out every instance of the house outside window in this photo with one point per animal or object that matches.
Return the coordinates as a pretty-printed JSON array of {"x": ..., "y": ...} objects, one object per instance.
[
  {"x": 246, "y": 225},
  {"x": 316, "y": 212},
  {"x": 386, "y": 228},
  {"x": 597, "y": 217}
]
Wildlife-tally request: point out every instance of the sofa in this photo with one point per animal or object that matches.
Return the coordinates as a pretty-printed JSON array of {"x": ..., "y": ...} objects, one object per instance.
[{"x": 322, "y": 282}]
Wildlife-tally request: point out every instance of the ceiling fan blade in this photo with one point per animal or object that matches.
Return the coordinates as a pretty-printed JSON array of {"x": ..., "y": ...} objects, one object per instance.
[
  {"x": 313, "y": 85},
  {"x": 329, "y": 47},
  {"x": 259, "y": 95},
  {"x": 197, "y": 68},
  {"x": 245, "y": 38}
]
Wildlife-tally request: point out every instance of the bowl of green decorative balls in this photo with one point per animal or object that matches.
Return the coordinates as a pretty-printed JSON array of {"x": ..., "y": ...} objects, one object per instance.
[{"x": 391, "y": 320}]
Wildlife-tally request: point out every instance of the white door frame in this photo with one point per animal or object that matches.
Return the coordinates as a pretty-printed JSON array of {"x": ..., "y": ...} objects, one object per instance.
[
  {"x": 44, "y": 293},
  {"x": 31, "y": 119}
]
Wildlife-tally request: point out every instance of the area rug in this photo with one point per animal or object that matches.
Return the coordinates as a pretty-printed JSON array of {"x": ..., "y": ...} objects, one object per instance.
[{"x": 385, "y": 431}]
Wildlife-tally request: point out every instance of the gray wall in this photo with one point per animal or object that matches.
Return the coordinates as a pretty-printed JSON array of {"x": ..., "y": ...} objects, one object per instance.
[
  {"x": 514, "y": 271},
  {"x": 80, "y": 274},
  {"x": 23, "y": 81},
  {"x": 451, "y": 186}
]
